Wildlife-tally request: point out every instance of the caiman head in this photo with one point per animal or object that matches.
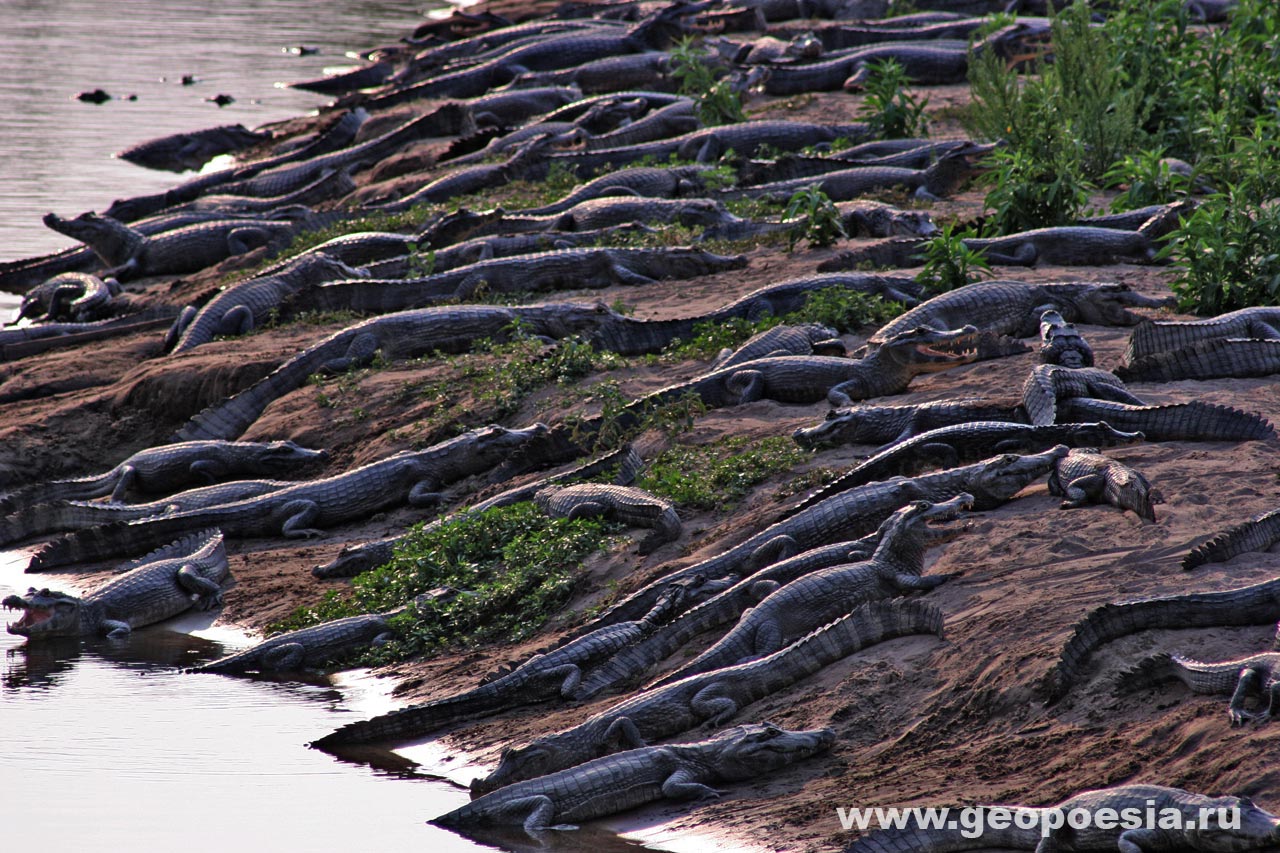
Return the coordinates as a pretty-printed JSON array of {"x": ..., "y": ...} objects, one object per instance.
[
  {"x": 536, "y": 758},
  {"x": 1235, "y": 823},
  {"x": 284, "y": 456},
  {"x": 112, "y": 241},
  {"x": 916, "y": 514},
  {"x": 565, "y": 319},
  {"x": 925, "y": 350},
  {"x": 746, "y": 752},
  {"x": 45, "y": 614},
  {"x": 1105, "y": 304},
  {"x": 994, "y": 481},
  {"x": 849, "y": 425}
]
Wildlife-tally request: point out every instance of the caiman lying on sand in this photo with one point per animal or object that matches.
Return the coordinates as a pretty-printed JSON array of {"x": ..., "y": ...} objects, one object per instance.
[
  {"x": 1257, "y": 534},
  {"x": 629, "y": 779},
  {"x": 1243, "y": 678},
  {"x": 626, "y": 504},
  {"x": 710, "y": 698},
  {"x": 1183, "y": 821},
  {"x": 1258, "y": 604},
  {"x": 1084, "y": 476},
  {"x": 304, "y": 509},
  {"x": 184, "y": 574}
]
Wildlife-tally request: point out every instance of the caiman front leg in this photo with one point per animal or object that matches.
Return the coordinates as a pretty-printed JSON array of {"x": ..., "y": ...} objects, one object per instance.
[
  {"x": 622, "y": 734},
  {"x": 681, "y": 785},
  {"x": 780, "y": 547},
  {"x": 298, "y": 514},
  {"x": 425, "y": 493},
  {"x": 1025, "y": 255},
  {"x": 114, "y": 629},
  {"x": 128, "y": 475},
  {"x": 1080, "y": 491},
  {"x": 538, "y": 811},
  {"x": 285, "y": 658},
  {"x": 241, "y": 240},
  {"x": 361, "y": 350},
  {"x": 208, "y": 470},
  {"x": 1249, "y": 681},
  {"x": 906, "y": 582},
  {"x": 205, "y": 594}
]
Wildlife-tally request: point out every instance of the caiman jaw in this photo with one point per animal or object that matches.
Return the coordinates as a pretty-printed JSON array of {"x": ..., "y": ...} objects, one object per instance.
[{"x": 31, "y": 616}]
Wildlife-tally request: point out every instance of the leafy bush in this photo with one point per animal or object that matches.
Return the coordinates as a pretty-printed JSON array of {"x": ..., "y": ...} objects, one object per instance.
[
  {"x": 716, "y": 101},
  {"x": 845, "y": 309},
  {"x": 1227, "y": 255},
  {"x": 890, "y": 112},
  {"x": 949, "y": 263},
  {"x": 716, "y": 475},
  {"x": 1147, "y": 179},
  {"x": 1035, "y": 191},
  {"x": 816, "y": 216},
  {"x": 513, "y": 566}
]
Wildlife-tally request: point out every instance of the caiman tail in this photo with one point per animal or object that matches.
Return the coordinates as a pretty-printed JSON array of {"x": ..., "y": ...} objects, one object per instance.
[
  {"x": 1194, "y": 421},
  {"x": 1257, "y": 534},
  {"x": 1251, "y": 605},
  {"x": 230, "y": 418},
  {"x": 1219, "y": 677},
  {"x": 419, "y": 720},
  {"x": 915, "y": 838},
  {"x": 46, "y": 518},
  {"x": 107, "y": 541},
  {"x": 869, "y": 623}
]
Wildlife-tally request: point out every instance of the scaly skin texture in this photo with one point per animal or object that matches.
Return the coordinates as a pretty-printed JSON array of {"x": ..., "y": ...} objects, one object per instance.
[
  {"x": 544, "y": 676},
  {"x": 619, "y": 782},
  {"x": 305, "y": 509},
  {"x": 184, "y": 574},
  {"x": 71, "y": 297},
  {"x": 1061, "y": 343},
  {"x": 160, "y": 470},
  {"x": 626, "y": 504},
  {"x": 405, "y": 334},
  {"x": 1156, "y": 336},
  {"x": 950, "y": 446},
  {"x": 1256, "y": 675},
  {"x": 1083, "y": 477},
  {"x": 1257, "y": 534},
  {"x": 624, "y": 463},
  {"x": 711, "y": 698},
  {"x": 1258, "y": 829},
  {"x": 805, "y": 339},
  {"x": 938, "y": 180},
  {"x": 1194, "y": 421},
  {"x": 645, "y": 181},
  {"x": 856, "y": 512},
  {"x": 1251, "y": 605},
  {"x": 307, "y": 648},
  {"x": 803, "y": 605},
  {"x": 180, "y": 152},
  {"x": 865, "y": 423},
  {"x": 130, "y": 254},
  {"x": 1015, "y": 307},
  {"x": 1217, "y": 358},
  {"x": 1048, "y": 384},
  {"x": 942, "y": 62}
]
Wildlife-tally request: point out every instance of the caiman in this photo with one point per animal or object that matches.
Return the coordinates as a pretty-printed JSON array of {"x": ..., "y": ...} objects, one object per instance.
[
  {"x": 624, "y": 464},
  {"x": 1186, "y": 821},
  {"x": 165, "y": 469},
  {"x": 129, "y": 253},
  {"x": 171, "y": 580},
  {"x": 867, "y": 423},
  {"x": 805, "y": 339},
  {"x": 1257, "y": 534},
  {"x": 711, "y": 698},
  {"x": 1061, "y": 343},
  {"x": 626, "y": 504},
  {"x": 1015, "y": 307},
  {"x": 448, "y": 329},
  {"x": 1156, "y": 336},
  {"x": 556, "y": 673},
  {"x": 1258, "y": 604},
  {"x": 1218, "y": 358},
  {"x": 629, "y": 779},
  {"x": 305, "y": 509},
  {"x": 1083, "y": 477},
  {"x": 934, "y": 182},
  {"x": 190, "y": 150},
  {"x": 949, "y": 446},
  {"x": 1242, "y": 678},
  {"x": 71, "y": 297},
  {"x": 793, "y": 610}
]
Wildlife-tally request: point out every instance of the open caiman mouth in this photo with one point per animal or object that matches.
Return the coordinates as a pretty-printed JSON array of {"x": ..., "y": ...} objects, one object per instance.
[
  {"x": 963, "y": 356},
  {"x": 31, "y": 617}
]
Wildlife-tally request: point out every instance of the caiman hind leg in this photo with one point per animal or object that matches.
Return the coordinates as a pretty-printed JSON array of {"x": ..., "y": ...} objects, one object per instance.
[
  {"x": 235, "y": 322},
  {"x": 1082, "y": 491},
  {"x": 1249, "y": 682},
  {"x": 298, "y": 515},
  {"x": 205, "y": 594}
]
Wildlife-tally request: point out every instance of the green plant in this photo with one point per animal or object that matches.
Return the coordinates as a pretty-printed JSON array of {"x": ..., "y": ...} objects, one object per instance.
[
  {"x": 716, "y": 100},
  {"x": 816, "y": 216},
  {"x": 844, "y": 309},
  {"x": 1226, "y": 254},
  {"x": 891, "y": 112},
  {"x": 718, "y": 474},
  {"x": 513, "y": 568},
  {"x": 1031, "y": 191},
  {"x": 1147, "y": 179},
  {"x": 949, "y": 263},
  {"x": 421, "y": 264}
]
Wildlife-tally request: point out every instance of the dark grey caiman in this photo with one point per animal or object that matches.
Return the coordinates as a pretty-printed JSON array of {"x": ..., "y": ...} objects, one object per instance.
[
  {"x": 624, "y": 463},
  {"x": 556, "y": 673},
  {"x": 941, "y": 62},
  {"x": 850, "y": 514},
  {"x": 788, "y": 613},
  {"x": 1219, "y": 358},
  {"x": 71, "y": 297},
  {"x": 1243, "y": 678},
  {"x": 1258, "y": 604},
  {"x": 131, "y": 254},
  {"x": 804, "y": 339},
  {"x": 1063, "y": 245},
  {"x": 626, "y": 504},
  {"x": 305, "y": 509},
  {"x": 674, "y": 119},
  {"x": 647, "y": 70},
  {"x": 246, "y": 305},
  {"x": 1156, "y": 336},
  {"x": 1014, "y": 307},
  {"x": 959, "y": 444},
  {"x": 160, "y": 470},
  {"x": 1203, "y": 824},
  {"x": 1257, "y": 534},
  {"x": 406, "y": 334},
  {"x": 646, "y": 181},
  {"x": 189, "y": 150},
  {"x": 159, "y": 586},
  {"x": 1061, "y": 343},
  {"x": 709, "y": 698},
  {"x": 1049, "y": 384},
  {"x": 1083, "y": 477},
  {"x": 589, "y": 267},
  {"x": 865, "y": 423},
  {"x": 941, "y": 179},
  {"x": 308, "y": 648},
  {"x": 619, "y": 782}
]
